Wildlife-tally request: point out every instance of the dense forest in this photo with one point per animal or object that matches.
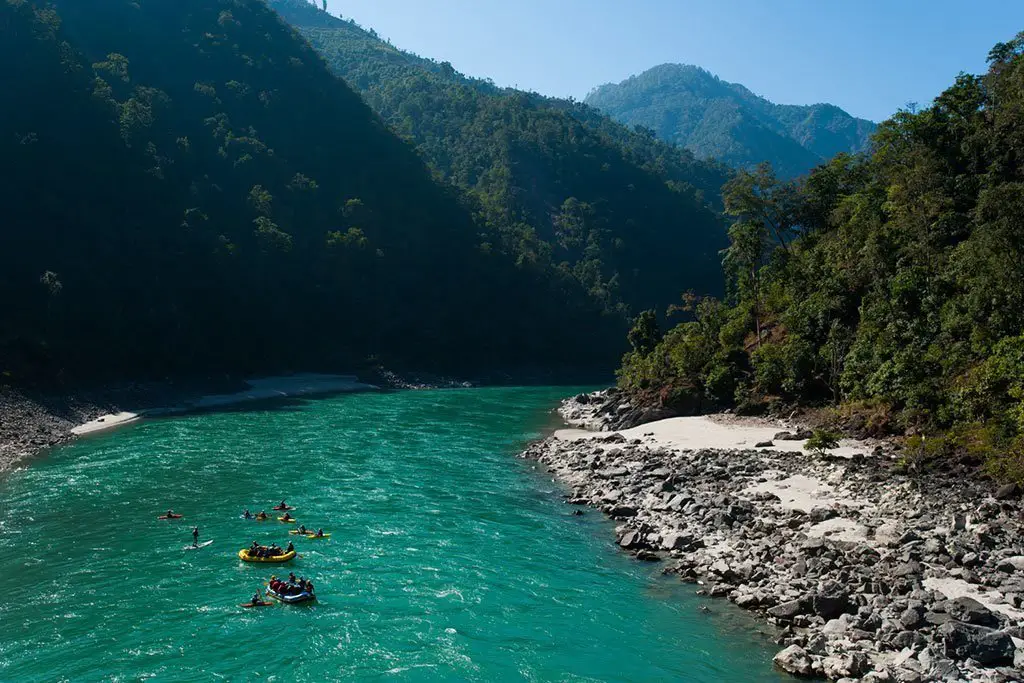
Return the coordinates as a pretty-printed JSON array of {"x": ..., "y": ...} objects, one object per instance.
[
  {"x": 629, "y": 217},
  {"x": 888, "y": 285},
  {"x": 190, "y": 189},
  {"x": 688, "y": 106}
]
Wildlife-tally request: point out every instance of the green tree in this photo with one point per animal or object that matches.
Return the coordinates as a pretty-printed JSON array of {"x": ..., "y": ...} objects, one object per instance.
[{"x": 645, "y": 333}]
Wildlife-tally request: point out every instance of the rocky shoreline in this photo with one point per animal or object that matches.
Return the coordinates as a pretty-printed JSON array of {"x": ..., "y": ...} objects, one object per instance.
[
  {"x": 871, "y": 574},
  {"x": 32, "y": 421}
]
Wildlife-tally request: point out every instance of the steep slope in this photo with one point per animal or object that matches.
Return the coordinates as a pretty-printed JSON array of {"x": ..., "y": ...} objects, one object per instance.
[
  {"x": 713, "y": 118},
  {"x": 625, "y": 214},
  {"x": 195, "y": 191},
  {"x": 892, "y": 285}
]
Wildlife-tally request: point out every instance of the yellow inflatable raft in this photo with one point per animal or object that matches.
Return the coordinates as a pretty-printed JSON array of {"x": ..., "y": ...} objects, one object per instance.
[{"x": 244, "y": 556}]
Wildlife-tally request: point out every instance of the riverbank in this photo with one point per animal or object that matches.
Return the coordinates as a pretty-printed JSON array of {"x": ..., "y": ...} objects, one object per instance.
[
  {"x": 32, "y": 422},
  {"x": 873, "y": 573}
]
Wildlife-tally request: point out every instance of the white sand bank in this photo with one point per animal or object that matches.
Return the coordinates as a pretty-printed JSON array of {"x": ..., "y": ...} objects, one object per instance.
[
  {"x": 105, "y": 422},
  {"x": 260, "y": 389},
  {"x": 695, "y": 433},
  {"x": 958, "y": 588}
]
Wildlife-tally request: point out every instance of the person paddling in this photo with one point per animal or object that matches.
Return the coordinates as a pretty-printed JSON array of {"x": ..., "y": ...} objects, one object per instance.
[
  {"x": 247, "y": 514},
  {"x": 195, "y": 536}
]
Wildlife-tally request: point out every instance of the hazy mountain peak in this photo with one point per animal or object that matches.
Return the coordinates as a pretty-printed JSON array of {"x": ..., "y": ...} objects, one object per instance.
[{"x": 694, "y": 108}]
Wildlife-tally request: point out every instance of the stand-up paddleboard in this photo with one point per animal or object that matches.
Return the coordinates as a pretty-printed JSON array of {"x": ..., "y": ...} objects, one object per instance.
[{"x": 201, "y": 545}]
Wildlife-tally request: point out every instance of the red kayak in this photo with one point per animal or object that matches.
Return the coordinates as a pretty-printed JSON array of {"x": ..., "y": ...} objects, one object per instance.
[
  {"x": 256, "y": 604},
  {"x": 278, "y": 508},
  {"x": 170, "y": 516}
]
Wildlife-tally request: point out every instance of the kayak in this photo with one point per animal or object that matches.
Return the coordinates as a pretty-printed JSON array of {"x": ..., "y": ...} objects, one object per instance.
[
  {"x": 287, "y": 521},
  {"x": 170, "y": 516},
  {"x": 255, "y": 604},
  {"x": 307, "y": 534},
  {"x": 304, "y": 596},
  {"x": 261, "y": 519},
  {"x": 286, "y": 508},
  {"x": 201, "y": 545},
  {"x": 244, "y": 556},
  {"x": 315, "y": 537}
]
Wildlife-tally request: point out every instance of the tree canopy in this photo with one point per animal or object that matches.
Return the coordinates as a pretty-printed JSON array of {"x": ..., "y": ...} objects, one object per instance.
[
  {"x": 192, "y": 190},
  {"x": 560, "y": 185},
  {"x": 889, "y": 284}
]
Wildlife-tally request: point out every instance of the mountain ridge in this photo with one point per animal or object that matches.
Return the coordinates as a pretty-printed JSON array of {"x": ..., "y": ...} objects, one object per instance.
[
  {"x": 691, "y": 107},
  {"x": 627, "y": 215}
]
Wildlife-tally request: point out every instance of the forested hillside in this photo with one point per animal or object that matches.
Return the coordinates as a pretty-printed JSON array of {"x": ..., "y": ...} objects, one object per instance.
[
  {"x": 890, "y": 285},
  {"x": 625, "y": 214},
  {"x": 688, "y": 106},
  {"x": 190, "y": 189}
]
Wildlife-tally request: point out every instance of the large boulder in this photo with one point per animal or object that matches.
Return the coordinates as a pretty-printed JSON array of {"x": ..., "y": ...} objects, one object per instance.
[
  {"x": 852, "y": 665},
  {"x": 622, "y": 511},
  {"x": 984, "y": 645},
  {"x": 1012, "y": 564},
  {"x": 971, "y": 611},
  {"x": 831, "y": 603},
  {"x": 795, "y": 660},
  {"x": 789, "y": 610}
]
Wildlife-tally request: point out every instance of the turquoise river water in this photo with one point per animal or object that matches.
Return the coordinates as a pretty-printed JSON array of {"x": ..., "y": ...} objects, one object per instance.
[{"x": 451, "y": 559}]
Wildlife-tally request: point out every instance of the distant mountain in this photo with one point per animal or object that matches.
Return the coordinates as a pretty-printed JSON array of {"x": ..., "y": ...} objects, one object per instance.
[
  {"x": 630, "y": 217},
  {"x": 697, "y": 110}
]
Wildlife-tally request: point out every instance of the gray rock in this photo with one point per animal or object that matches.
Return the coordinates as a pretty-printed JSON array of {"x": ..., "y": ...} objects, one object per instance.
[
  {"x": 789, "y": 610},
  {"x": 971, "y": 611},
  {"x": 623, "y": 511},
  {"x": 905, "y": 639},
  {"x": 630, "y": 539},
  {"x": 795, "y": 660},
  {"x": 851, "y": 665},
  {"x": 763, "y": 444},
  {"x": 747, "y": 601},
  {"x": 799, "y": 435},
  {"x": 820, "y": 514},
  {"x": 907, "y": 569},
  {"x": 676, "y": 541},
  {"x": 1011, "y": 564},
  {"x": 831, "y": 604},
  {"x": 984, "y": 645},
  {"x": 1007, "y": 491},
  {"x": 911, "y": 619},
  {"x": 937, "y": 618}
]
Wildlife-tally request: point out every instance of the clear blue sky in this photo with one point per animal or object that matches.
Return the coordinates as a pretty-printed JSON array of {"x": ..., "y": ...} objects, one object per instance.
[{"x": 870, "y": 57}]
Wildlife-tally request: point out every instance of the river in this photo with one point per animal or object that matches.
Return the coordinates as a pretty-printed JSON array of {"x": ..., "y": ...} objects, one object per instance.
[{"x": 450, "y": 558}]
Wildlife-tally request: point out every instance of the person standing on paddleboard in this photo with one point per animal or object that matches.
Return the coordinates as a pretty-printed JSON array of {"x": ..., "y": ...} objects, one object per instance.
[{"x": 195, "y": 537}]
